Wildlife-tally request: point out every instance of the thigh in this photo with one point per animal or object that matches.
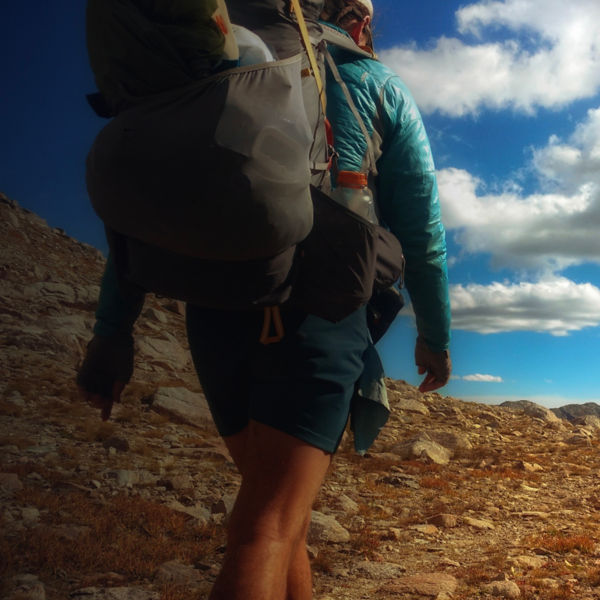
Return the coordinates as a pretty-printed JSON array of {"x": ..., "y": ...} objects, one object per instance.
[{"x": 281, "y": 476}]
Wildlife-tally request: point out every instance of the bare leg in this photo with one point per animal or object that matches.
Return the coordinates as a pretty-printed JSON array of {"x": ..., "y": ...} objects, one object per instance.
[
  {"x": 266, "y": 557},
  {"x": 299, "y": 579}
]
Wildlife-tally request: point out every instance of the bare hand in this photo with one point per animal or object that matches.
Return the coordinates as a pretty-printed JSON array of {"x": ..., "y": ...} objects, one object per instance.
[{"x": 436, "y": 366}]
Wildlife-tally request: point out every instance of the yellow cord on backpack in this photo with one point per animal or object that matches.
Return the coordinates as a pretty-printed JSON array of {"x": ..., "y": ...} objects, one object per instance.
[
  {"x": 272, "y": 315},
  {"x": 309, "y": 51}
]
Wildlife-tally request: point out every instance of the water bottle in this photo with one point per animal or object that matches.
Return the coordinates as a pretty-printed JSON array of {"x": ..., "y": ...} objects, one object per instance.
[
  {"x": 252, "y": 49},
  {"x": 352, "y": 192}
]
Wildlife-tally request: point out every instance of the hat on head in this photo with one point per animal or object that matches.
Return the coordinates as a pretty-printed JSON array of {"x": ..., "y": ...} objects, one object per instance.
[{"x": 368, "y": 5}]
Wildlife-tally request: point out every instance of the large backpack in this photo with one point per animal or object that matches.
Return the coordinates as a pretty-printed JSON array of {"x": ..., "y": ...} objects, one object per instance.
[
  {"x": 208, "y": 188},
  {"x": 205, "y": 187}
]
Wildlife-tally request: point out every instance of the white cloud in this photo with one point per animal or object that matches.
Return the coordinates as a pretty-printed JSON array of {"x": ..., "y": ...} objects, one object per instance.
[
  {"x": 537, "y": 232},
  {"x": 479, "y": 377},
  {"x": 549, "y": 230},
  {"x": 549, "y": 56},
  {"x": 568, "y": 163},
  {"x": 555, "y": 305}
]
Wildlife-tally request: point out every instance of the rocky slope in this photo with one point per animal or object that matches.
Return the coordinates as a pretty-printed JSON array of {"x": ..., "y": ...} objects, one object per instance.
[{"x": 455, "y": 500}]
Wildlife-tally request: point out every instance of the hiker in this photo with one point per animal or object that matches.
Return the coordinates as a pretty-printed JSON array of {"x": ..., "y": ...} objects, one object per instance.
[
  {"x": 281, "y": 408},
  {"x": 404, "y": 184}
]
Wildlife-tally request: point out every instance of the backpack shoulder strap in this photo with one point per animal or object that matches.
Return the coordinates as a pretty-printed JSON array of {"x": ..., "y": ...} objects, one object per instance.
[
  {"x": 338, "y": 38},
  {"x": 309, "y": 51},
  {"x": 363, "y": 128}
]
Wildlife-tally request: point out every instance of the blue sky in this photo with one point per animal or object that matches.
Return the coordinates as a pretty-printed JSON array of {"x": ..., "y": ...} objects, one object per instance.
[{"x": 510, "y": 95}]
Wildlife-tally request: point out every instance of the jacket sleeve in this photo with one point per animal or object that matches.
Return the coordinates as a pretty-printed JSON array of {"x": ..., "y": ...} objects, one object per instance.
[
  {"x": 409, "y": 204},
  {"x": 118, "y": 307}
]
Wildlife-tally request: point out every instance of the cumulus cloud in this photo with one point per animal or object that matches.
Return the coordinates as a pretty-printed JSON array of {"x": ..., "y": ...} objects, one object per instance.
[
  {"x": 536, "y": 232},
  {"x": 549, "y": 230},
  {"x": 555, "y": 305},
  {"x": 479, "y": 377},
  {"x": 548, "y": 56},
  {"x": 569, "y": 162}
]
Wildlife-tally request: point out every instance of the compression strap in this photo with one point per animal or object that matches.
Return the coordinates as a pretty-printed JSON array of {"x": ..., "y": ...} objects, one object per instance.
[{"x": 309, "y": 51}]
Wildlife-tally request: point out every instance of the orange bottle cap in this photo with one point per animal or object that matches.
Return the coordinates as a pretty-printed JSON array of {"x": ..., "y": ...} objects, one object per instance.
[{"x": 352, "y": 179}]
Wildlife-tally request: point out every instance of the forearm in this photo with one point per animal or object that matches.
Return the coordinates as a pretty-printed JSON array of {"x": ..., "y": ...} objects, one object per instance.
[
  {"x": 118, "y": 308},
  {"x": 428, "y": 291}
]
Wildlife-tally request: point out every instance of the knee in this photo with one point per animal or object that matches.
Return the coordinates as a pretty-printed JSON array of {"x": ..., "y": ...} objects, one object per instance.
[{"x": 271, "y": 523}]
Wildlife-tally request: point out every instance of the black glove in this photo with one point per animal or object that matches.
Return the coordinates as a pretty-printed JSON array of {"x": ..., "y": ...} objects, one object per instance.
[{"x": 106, "y": 368}]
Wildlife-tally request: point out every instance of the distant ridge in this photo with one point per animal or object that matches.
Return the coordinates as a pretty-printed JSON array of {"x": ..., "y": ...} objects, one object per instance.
[
  {"x": 572, "y": 412},
  {"x": 569, "y": 412}
]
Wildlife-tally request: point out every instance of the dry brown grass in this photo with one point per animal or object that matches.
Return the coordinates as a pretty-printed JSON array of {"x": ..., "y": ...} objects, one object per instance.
[
  {"x": 502, "y": 473},
  {"x": 95, "y": 430},
  {"x": 562, "y": 592},
  {"x": 563, "y": 543},
  {"x": 18, "y": 440},
  {"x": 325, "y": 561},
  {"x": 126, "y": 535},
  {"x": 436, "y": 483},
  {"x": 366, "y": 542},
  {"x": 382, "y": 491},
  {"x": 416, "y": 467}
]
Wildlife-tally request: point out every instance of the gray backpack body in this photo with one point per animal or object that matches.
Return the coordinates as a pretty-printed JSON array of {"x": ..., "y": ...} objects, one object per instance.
[
  {"x": 209, "y": 190},
  {"x": 205, "y": 188}
]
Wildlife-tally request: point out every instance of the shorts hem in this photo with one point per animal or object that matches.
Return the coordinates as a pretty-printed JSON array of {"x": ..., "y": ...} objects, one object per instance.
[{"x": 306, "y": 435}]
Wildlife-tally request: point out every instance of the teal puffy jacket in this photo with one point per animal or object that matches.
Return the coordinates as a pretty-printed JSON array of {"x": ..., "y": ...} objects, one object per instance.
[{"x": 405, "y": 186}]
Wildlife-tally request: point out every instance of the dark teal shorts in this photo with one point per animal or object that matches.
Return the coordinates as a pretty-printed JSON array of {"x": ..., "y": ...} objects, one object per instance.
[{"x": 302, "y": 385}]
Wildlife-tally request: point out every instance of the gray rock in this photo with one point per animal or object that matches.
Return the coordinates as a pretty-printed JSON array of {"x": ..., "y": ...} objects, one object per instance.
[
  {"x": 502, "y": 589},
  {"x": 30, "y": 515},
  {"x": 129, "y": 478},
  {"x": 346, "y": 505},
  {"x": 10, "y": 483},
  {"x": 41, "y": 449},
  {"x": 588, "y": 421},
  {"x": 529, "y": 562},
  {"x": 324, "y": 528},
  {"x": 70, "y": 328},
  {"x": 178, "y": 573},
  {"x": 28, "y": 587},
  {"x": 411, "y": 405},
  {"x": 425, "y": 448},
  {"x": 163, "y": 353},
  {"x": 378, "y": 570},
  {"x": 155, "y": 315},
  {"x": 533, "y": 410},
  {"x": 478, "y": 523},
  {"x": 182, "y": 406},
  {"x": 197, "y": 511},
  {"x": 456, "y": 442},
  {"x": 444, "y": 520},
  {"x": 57, "y": 292},
  {"x": 430, "y": 585}
]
